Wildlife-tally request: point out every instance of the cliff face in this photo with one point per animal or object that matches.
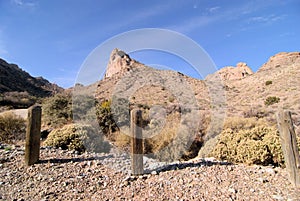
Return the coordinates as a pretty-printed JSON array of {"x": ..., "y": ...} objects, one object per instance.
[
  {"x": 14, "y": 79},
  {"x": 119, "y": 62}
]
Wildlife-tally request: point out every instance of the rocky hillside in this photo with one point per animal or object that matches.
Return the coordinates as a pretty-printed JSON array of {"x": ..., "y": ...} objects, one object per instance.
[
  {"x": 279, "y": 77},
  {"x": 230, "y": 92},
  {"x": 14, "y": 79},
  {"x": 19, "y": 89}
]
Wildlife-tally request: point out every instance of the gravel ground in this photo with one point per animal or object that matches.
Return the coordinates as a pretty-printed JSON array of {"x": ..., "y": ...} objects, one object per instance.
[{"x": 64, "y": 175}]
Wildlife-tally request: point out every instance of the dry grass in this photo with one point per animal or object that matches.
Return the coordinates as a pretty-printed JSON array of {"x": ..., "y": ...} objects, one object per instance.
[{"x": 12, "y": 128}]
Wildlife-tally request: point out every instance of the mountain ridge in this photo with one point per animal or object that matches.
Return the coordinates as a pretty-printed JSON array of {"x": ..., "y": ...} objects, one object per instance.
[{"x": 15, "y": 79}]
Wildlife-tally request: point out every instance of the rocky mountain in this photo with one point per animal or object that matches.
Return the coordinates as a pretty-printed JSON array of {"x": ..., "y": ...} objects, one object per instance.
[
  {"x": 18, "y": 89},
  {"x": 14, "y": 79},
  {"x": 230, "y": 92}
]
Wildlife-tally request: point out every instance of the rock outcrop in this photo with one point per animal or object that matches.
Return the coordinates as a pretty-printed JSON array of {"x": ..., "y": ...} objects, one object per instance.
[
  {"x": 281, "y": 59},
  {"x": 119, "y": 62},
  {"x": 232, "y": 73}
]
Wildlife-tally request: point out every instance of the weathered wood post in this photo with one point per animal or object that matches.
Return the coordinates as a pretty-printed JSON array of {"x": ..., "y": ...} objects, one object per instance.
[
  {"x": 137, "y": 167},
  {"x": 33, "y": 135},
  {"x": 289, "y": 146}
]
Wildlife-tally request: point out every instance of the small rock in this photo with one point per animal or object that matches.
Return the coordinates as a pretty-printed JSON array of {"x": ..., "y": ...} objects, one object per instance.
[
  {"x": 154, "y": 173},
  {"x": 262, "y": 180},
  {"x": 143, "y": 177},
  {"x": 270, "y": 171},
  {"x": 277, "y": 197},
  {"x": 65, "y": 183},
  {"x": 232, "y": 190}
]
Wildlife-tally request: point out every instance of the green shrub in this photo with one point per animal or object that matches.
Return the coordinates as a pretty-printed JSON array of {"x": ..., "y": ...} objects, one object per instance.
[
  {"x": 268, "y": 82},
  {"x": 77, "y": 137},
  {"x": 57, "y": 110},
  {"x": 12, "y": 128},
  {"x": 258, "y": 145},
  {"x": 105, "y": 119},
  {"x": 171, "y": 99},
  {"x": 272, "y": 100}
]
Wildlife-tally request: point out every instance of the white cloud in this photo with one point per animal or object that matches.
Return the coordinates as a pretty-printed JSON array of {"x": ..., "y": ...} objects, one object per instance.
[
  {"x": 23, "y": 3},
  {"x": 266, "y": 19},
  {"x": 217, "y": 13},
  {"x": 213, "y": 9}
]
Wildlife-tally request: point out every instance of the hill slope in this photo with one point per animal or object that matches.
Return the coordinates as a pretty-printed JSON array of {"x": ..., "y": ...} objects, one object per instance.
[
  {"x": 245, "y": 94},
  {"x": 18, "y": 89},
  {"x": 14, "y": 79}
]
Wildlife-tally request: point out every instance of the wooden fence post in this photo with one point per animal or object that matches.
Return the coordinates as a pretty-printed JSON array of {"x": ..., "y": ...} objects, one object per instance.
[
  {"x": 33, "y": 135},
  {"x": 289, "y": 146},
  {"x": 137, "y": 167}
]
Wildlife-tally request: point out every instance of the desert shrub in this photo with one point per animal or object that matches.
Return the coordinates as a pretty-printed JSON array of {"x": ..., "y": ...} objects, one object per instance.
[
  {"x": 77, "y": 137},
  {"x": 166, "y": 145},
  {"x": 272, "y": 100},
  {"x": 12, "y": 128},
  {"x": 17, "y": 99},
  {"x": 268, "y": 82},
  {"x": 237, "y": 123},
  {"x": 256, "y": 145},
  {"x": 57, "y": 110},
  {"x": 171, "y": 99},
  {"x": 255, "y": 112},
  {"x": 122, "y": 141},
  {"x": 106, "y": 120},
  {"x": 82, "y": 107}
]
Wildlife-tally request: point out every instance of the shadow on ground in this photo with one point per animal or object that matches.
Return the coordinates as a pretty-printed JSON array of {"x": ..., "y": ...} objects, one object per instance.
[
  {"x": 69, "y": 160},
  {"x": 183, "y": 165}
]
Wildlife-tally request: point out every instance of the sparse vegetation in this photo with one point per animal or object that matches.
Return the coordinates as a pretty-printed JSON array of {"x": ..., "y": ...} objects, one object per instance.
[
  {"x": 105, "y": 119},
  {"x": 245, "y": 141},
  {"x": 12, "y": 128},
  {"x": 77, "y": 137},
  {"x": 268, "y": 82},
  {"x": 171, "y": 99},
  {"x": 57, "y": 110},
  {"x": 82, "y": 108},
  {"x": 17, "y": 99},
  {"x": 272, "y": 100}
]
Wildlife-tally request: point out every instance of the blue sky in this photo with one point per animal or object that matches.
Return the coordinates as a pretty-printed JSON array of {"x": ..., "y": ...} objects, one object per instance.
[{"x": 52, "y": 38}]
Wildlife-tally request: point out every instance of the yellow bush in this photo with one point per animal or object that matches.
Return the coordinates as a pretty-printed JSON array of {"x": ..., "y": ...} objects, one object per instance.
[
  {"x": 77, "y": 137},
  {"x": 238, "y": 123},
  {"x": 122, "y": 140},
  {"x": 254, "y": 145}
]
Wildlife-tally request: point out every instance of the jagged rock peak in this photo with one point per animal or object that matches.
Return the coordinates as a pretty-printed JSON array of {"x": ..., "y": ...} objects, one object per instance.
[
  {"x": 281, "y": 59},
  {"x": 119, "y": 61},
  {"x": 233, "y": 73}
]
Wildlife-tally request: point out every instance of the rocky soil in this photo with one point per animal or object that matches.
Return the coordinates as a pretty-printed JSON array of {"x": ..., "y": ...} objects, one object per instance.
[{"x": 65, "y": 175}]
